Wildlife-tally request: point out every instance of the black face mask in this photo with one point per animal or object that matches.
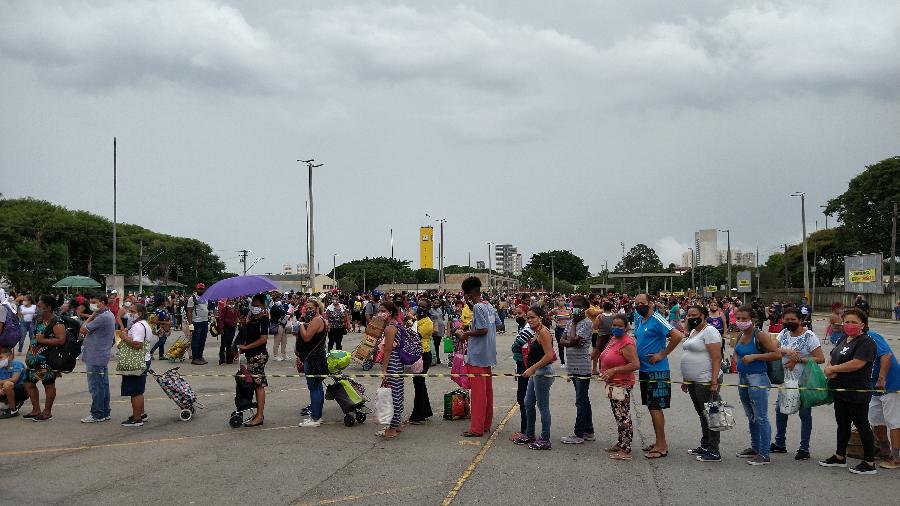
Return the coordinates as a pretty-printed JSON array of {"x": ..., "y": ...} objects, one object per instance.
[
  {"x": 520, "y": 320},
  {"x": 792, "y": 326},
  {"x": 694, "y": 322},
  {"x": 642, "y": 309}
]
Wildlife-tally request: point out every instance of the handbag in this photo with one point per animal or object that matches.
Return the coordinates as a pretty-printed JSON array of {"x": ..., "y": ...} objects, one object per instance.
[
  {"x": 384, "y": 406},
  {"x": 616, "y": 393},
  {"x": 132, "y": 361},
  {"x": 774, "y": 368},
  {"x": 719, "y": 415}
]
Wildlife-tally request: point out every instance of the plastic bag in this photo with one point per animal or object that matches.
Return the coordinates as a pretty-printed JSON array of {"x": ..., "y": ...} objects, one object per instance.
[
  {"x": 384, "y": 406},
  {"x": 815, "y": 386},
  {"x": 719, "y": 415},
  {"x": 458, "y": 366},
  {"x": 789, "y": 394},
  {"x": 415, "y": 368}
]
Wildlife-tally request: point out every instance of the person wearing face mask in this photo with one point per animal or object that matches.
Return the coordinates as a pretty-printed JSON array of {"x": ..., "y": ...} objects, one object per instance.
[
  {"x": 798, "y": 346},
  {"x": 99, "y": 333},
  {"x": 618, "y": 361},
  {"x": 716, "y": 317},
  {"x": 437, "y": 317},
  {"x": 163, "y": 321},
  {"x": 481, "y": 356},
  {"x": 391, "y": 365},
  {"x": 561, "y": 315},
  {"x": 522, "y": 340},
  {"x": 424, "y": 328},
  {"x": 577, "y": 340},
  {"x": 49, "y": 331},
  {"x": 198, "y": 315},
  {"x": 850, "y": 372},
  {"x": 701, "y": 361},
  {"x": 651, "y": 332},
  {"x": 602, "y": 326},
  {"x": 539, "y": 374},
  {"x": 310, "y": 351},
  {"x": 12, "y": 385},
  {"x": 253, "y": 347},
  {"x": 227, "y": 320},
  {"x": 27, "y": 311}
]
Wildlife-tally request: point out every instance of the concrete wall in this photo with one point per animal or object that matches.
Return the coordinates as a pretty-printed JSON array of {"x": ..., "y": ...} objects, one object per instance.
[{"x": 880, "y": 305}]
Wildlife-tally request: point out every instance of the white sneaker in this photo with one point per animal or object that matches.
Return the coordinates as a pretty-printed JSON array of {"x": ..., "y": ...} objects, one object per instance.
[
  {"x": 91, "y": 419},
  {"x": 309, "y": 422},
  {"x": 278, "y": 358}
]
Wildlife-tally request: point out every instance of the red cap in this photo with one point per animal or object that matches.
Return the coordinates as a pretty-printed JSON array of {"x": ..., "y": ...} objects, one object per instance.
[{"x": 200, "y": 286}]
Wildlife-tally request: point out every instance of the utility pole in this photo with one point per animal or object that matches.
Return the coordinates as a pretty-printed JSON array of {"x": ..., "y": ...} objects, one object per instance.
[
  {"x": 115, "y": 219},
  {"x": 757, "y": 272},
  {"x": 894, "y": 250},
  {"x": 826, "y": 216},
  {"x": 802, "y": 196},
  {"x": 312, "y": 235},
  {"x": 334, "y": 260},
  {"x": 141, "y": 268},
  {"x": 490, "y": 265},
  {"x": 552, "y": 275},
  {"x": 244, "y": 253},
  {"x": 364, "y": 281},
  {"x": 693, "y": 268},
  {"x": 784, "y": 261},
  {"x": 392, "y": 244},
  {"x": 728, "y": 284}
]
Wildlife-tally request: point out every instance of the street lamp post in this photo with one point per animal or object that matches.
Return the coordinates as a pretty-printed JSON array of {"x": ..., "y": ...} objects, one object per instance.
[
  {"x": 728, "y": 284},
  {"x": 802, "y": 196},
  {"x": 490, "y": 264},
  {"x": 693, "y": 267},
  {"x": 552, "y": 275},
  {"x": 826, "y": 215},
  {"x": 312, "y": 236},
  {"x": 334, "y": 269}
]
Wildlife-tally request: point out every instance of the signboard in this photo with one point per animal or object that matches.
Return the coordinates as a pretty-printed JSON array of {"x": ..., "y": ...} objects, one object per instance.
[
  {"x": 426, "y": 248},
  {"x": 743, "y": 282},
  {"x": 862, "y": 276},
  {"x": 711, "y": 288},
  {"x": 678, "y": 294},
  {"x": 863, "y": 273}
]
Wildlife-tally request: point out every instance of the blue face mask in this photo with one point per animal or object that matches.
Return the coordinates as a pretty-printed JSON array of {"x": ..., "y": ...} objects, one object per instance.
[
  {"x": 576, "y": 311},
  {"x": 617, "y": 331}
]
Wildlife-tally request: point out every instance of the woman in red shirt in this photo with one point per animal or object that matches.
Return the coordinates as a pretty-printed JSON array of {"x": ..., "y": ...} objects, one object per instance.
[{"x": 618, "y": 362}]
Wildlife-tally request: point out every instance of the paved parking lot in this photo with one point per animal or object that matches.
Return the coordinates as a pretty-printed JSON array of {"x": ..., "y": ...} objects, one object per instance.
[{"x": 203, "y": 461}]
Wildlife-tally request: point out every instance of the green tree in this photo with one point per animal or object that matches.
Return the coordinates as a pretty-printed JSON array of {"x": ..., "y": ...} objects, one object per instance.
[
  {"x": 641, "y": 258},
  {"x": 533, "y": 277},
  {"x": 426, "y": 275},
  {"x": 866, "y": 207},
  {"x": 566, "y": 265},
  {"x": 376, "y": 271}
]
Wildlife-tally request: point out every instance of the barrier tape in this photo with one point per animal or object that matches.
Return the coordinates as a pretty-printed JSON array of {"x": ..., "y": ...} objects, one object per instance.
[{"x": 495, "y": 375}]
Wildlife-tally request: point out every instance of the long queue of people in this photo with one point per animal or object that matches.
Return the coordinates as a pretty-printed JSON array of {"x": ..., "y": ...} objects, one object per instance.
[{"x": 610, "y": 337}]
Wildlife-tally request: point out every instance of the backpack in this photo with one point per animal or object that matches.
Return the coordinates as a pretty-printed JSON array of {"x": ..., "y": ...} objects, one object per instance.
[
  {"x": 409, "y": 346},
  {"x": 64, "y": 357},
  {"x": 11, "y": 330}
]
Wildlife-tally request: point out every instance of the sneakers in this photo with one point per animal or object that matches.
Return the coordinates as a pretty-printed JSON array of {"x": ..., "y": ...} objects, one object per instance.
[
  {"x": 710, "y": 457},
  {"x": 198, "y": 361},
  {"x": 890, "y": 464},
  {"x": 524, "y": 440},
  {"x": 749, "y": 453},
  {"x": 131, "y": 422},
  {"x": 572, "y": 440},
  {"x": 42, "y": 417},
  {"x": 773, "y": 448},
  {"x": 863, "y": 468},
  {"x": 278, "y": 358},
  {"x": 306, "y": 411},
  {"x": 8, "y": 413},
  {"x": 144, "y": 417},
  {"x": 540, "y": 444},
  {"x": 588, "y": 437},
  {"x": 699, "y": 451},
  {"x": 759, "y": 460},
  {"x": 801, "y": 455},
  {"x": 309, "y": 422},
  {"x": 833, "y": 461},
  {"x": 91, "y": 419},
  {"x": 516, "y": 436}
]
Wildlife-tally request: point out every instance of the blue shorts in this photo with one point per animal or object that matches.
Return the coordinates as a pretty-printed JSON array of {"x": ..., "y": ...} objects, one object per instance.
[
  {"x": 656, "y": 391},
  {"x": 134, "y": 385}
]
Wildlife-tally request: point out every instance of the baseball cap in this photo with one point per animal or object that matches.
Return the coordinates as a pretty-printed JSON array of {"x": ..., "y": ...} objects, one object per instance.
[{"x": 200, "y": 286}]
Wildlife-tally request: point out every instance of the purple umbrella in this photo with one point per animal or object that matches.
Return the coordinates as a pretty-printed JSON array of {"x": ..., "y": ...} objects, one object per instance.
[{"x": 238, "y": 286}]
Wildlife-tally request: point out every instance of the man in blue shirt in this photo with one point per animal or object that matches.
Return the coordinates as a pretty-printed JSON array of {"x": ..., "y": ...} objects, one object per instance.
[
  {"x": 884, "y": 409},
  {"x": 481, "y": 356},
  {"x": 99, "y": 332},
  {"x": 12, "y": 386},
  {"x": 651, "y": 331}
]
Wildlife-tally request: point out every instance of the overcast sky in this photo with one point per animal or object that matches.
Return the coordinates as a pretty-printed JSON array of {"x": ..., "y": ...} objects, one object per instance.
[{"x": 548, "y": 125}]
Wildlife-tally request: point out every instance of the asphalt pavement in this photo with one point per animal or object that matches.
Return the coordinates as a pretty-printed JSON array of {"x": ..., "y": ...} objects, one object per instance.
[{"x": 203, "y": 461}]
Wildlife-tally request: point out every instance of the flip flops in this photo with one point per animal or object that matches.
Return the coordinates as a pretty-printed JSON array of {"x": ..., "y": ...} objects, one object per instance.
[
  {"x": 385, "y": 435},
  {"x": 656, "y": 454},
  {"x": 620, "y": 456}
]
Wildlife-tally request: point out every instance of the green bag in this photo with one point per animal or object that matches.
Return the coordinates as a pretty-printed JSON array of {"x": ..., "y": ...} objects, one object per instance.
[
  {"x": 448, "y": 345},
  {"x": 813, "y": 378},
  {"x": 132, "y": 361}
]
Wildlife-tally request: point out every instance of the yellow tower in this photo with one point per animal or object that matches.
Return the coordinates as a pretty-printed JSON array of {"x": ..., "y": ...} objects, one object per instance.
[{"x": 426, "y": 247}]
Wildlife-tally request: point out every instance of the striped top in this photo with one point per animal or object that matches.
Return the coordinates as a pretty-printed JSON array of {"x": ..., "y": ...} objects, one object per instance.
[{"x": 561, "y": 316}]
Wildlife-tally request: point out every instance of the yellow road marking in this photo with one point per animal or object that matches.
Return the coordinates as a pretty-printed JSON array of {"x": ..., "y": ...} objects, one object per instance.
[
  {"x": 478, "y": 458},
  {"x": 377, "y": 493}
]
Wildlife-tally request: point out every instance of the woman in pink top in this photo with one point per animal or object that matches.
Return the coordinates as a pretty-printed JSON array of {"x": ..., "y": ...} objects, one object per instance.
[{"x": 617, "y": 365}]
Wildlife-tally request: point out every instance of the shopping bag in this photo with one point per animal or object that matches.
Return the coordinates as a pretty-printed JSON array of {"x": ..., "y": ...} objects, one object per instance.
[
  {"x": 789, "y": 394},
  {"x": 415, "y": 368},
  {"x": 384, "y": 406},
  {"x": 815, "y": 386},
  {"x": 456, "y": 405},
  {"x": 458, "y": 366},
  {"x": 719, "y": 415},
  {"x": 448, "y": 345}
]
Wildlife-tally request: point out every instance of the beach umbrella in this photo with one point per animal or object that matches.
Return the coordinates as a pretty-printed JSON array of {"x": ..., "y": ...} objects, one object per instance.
[{"x": 238, "y": 286}]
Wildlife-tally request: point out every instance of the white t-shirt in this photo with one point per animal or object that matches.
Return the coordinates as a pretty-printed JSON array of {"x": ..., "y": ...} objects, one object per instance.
[
  {"x": 27, "y": 312},
  {"x": 695, "y": 359},
  {"x": 139, "y": 332},
  {"x": 805, "y": 344},
  {"x": 201, "y": 311}
]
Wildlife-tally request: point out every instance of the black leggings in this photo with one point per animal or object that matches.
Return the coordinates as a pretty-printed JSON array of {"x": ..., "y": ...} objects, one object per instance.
[
  {"x": 856, "y": 413},
  {"x": 335, "y": 336},
  {"x": 421, "y": 404},
  {"x": 226, "y": 356},
  {"x": 520, "y": 394},
  {"x": 436, "y": 349}
]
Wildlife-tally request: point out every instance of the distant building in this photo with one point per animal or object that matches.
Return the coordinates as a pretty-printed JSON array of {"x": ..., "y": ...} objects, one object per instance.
[
  {"x": 303, "y": 269},
  {"x": 479, "y": 264},
  {"x": 686, "y": 260},
  {"x": 738, "y": 257},
  {"x": 505, "y": 258},
  {"x": 517, "y": 265},
  {"x": 706, "y": 247},
  {"x": 287, "y": 269}
]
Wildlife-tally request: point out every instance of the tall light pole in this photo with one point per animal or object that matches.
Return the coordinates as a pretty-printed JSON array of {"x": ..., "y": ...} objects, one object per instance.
[
  {"x": 552, "y": 275},
  {"x": 312, "y": 234},
  {"x": 490, "y": 264},
  {"x": 693, "y": 267},
  {"x": 894, "y": 249},
  {"x": 334, "y": 270},
  {"x": 728, "y": 283},
  {"x": 826, "y": 215},
  {"x": 114, "y": 214},
  {"x": 441, "y": 221},
  {"x": 802, "y": 196}
]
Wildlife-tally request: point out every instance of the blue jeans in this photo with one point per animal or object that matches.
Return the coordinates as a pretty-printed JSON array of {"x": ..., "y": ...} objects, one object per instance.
[
  {"x": 160, "y": 345},
  {"x": 27, "y": 332},
  {"x": 560, "y": 331},
  {"x": 98, "y": 386},
  {"x": 584, "y": 423},
  {"x": 756, "y": 407},
  {"x": 316, "y": 394},
  {"x": 538, "y": 392},
  {"x": 781, "y": 421},
  {"x": 198, "y": 339}
]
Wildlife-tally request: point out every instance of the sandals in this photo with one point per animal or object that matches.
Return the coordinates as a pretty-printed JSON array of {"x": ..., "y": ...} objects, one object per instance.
[
  {"x": 620, "y": 456},
  {"x": 648, "y": 448},
  {"x": 656, "y": 454},
  {"x": 248, "y": 424},
  {"x": 613, "y": 449},
  {"x": 471, "y": 434},
  {"x": 384, "y": 434}
]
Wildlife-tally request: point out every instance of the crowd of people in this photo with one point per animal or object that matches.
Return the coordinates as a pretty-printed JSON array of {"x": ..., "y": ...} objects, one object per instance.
[{"x": 620, "y": 339}]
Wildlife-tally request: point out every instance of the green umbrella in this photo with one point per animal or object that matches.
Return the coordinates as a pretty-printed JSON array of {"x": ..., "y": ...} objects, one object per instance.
[{"x": 76, "y": 282}]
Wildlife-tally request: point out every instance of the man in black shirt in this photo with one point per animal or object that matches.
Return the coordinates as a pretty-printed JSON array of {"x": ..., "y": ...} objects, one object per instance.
[{"x": 253, "y": 346}]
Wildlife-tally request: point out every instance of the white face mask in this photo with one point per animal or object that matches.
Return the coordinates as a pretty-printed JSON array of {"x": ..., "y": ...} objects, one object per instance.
[
  {"x": 255, "y": 310},
  {"x": 93, "y": 307},
  {"x": 4, "y": 362}
]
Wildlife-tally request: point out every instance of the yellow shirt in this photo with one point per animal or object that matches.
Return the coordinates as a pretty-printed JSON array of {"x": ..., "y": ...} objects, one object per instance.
[
  {"x": 466, "y": 317},
  {"x": 425, "y": 328},
  {"x": 593, "y": 312}
]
